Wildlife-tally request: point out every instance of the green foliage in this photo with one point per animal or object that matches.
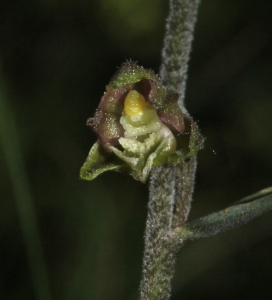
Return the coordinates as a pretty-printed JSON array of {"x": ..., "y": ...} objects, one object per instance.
[{"x": 248, "y": 209}]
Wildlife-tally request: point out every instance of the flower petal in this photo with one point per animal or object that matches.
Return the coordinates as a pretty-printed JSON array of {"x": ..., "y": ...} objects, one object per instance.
[{"x": 106, "y": 122}]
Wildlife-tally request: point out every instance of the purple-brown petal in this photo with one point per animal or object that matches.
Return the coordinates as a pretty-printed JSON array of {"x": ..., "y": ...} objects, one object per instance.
[
  {"x": 106, "y": 122},
  {"x": 157, "y": 94},
  {"x": 171, "y": 114},
  {"x": 166, "y": 106}
]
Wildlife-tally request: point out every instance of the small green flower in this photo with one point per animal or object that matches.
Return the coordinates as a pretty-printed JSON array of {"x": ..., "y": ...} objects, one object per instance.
[{"x": 139, "y": 126}]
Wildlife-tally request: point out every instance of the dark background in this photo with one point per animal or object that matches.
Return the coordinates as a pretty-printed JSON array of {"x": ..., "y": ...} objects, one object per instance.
[{"x": 57, "y": 57}]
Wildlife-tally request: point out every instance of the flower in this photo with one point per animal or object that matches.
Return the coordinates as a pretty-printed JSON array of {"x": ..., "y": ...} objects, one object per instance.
[{"x": 139, "y": 126}]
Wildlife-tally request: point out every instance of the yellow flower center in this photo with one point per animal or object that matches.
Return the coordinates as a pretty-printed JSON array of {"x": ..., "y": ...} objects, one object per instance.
[{"x": 135, "y": 103}]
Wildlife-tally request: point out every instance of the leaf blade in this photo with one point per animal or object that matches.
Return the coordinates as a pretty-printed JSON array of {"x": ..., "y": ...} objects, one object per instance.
[{"x": 228, "y": 218}]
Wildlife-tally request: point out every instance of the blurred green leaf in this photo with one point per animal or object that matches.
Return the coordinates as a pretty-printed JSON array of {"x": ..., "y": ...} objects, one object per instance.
[{"x": 9, "y": 142}]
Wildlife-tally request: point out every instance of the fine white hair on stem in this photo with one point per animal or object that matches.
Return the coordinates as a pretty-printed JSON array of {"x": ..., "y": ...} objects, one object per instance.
[
  {"x": 171, "y": 187},
  {"x": 178, "y": 44}
]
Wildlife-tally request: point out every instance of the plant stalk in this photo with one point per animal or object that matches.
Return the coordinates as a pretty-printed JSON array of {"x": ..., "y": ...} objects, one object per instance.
[{"x": 171, "y": 187}]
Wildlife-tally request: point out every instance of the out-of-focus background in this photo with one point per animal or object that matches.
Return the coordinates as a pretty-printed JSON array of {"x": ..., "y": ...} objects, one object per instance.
[{"x": 57, "y": 56}]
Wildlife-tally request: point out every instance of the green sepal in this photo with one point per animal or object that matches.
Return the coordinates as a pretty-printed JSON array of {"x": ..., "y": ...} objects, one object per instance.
[
  {"x": 130, "y": 73},
  {"x": 188, "y": 144},
  {"x": 99, "y": 161}
]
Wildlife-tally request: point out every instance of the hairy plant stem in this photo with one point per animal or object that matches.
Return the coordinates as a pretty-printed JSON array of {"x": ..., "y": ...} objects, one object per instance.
[
  {"x": 171, "y": 187},
  {"x": 171, "y": 190}
]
